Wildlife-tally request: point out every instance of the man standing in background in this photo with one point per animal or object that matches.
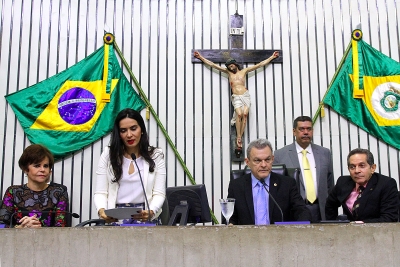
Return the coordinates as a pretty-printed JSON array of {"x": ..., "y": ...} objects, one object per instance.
[{"x": 315, "y": 163}]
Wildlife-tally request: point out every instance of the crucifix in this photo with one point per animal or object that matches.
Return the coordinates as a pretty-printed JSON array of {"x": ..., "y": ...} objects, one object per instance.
[{"x": 236, "y": 76}]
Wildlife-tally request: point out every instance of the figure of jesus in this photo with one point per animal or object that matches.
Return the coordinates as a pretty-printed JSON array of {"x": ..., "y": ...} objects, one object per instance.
[{"x": 240, "y": 95}]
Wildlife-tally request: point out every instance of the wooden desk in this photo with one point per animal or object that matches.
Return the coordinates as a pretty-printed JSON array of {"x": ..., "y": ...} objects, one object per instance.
[{"x": 301, "y": 245}]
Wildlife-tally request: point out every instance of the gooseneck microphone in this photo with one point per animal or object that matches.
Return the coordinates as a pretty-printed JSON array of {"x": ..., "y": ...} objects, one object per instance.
[
  {"x": 262, "y": 180},
  {"x": 75, "y": 215},
  {"x": 141, "y": 181}
]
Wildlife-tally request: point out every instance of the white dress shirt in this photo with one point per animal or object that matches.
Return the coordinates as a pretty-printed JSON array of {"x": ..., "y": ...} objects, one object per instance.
[{"x": 311, "y": 160}]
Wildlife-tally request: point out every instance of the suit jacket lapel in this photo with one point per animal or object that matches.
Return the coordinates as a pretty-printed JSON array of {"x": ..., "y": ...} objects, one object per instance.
[
  {"x": 248, "y": 192},
  {"x": 348, "y": 186},
  {"x": 295, "y": 161},
  {"x": 317, "y": 159},
  {"x": 367, "y": 191},
  {"x": 293, "y": 155},
  {"x": 273, "y": 190}
]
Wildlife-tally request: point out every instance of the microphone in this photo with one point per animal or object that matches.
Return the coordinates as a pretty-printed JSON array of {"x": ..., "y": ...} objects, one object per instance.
[
  {"x": 262, "y": 180},
  {"x": 75, "y": 215},
  {"x": 141, "y": 181}
]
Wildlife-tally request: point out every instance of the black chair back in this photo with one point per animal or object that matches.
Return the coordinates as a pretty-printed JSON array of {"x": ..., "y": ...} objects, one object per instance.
[
  {"x": 239, "y": 173},
  {"x": 295, "y": 173},
  {"x": 399, "y": 208},
  {"x": 164, "y": 216},
  {"x": 277, "y": 168}
]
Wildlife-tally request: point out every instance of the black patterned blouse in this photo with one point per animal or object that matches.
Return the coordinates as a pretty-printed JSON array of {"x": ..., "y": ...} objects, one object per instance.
[{"x": 49, "y": 204}]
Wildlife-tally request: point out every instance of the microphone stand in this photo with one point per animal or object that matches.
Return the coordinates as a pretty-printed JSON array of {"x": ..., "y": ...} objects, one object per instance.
[
  {"x": 262, "y": 180},
  {"x": 141, "y": 181}
]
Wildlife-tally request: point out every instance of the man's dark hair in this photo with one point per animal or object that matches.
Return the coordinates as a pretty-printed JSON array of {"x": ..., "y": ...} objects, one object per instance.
[
  {"x": 302, "y": 119},
  {"x": 370, "y": 157}
]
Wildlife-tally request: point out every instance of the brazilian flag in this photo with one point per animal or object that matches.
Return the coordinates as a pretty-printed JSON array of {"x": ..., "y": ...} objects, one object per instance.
[
  {"x": 366, "y": 91},
  {"x": 76, "y": 107}
]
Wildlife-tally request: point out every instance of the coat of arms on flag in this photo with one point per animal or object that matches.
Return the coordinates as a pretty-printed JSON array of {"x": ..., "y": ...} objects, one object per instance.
[
  {"x": 366, "y": 90},
  {"x": 77, "y": 106}
]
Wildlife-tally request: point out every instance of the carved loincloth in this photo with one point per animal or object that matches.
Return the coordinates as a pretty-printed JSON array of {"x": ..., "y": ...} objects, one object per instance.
[{"x": 239, "y": 101}]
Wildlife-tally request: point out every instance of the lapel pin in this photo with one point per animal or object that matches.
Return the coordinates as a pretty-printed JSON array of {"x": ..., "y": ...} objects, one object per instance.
[{"x": 275, "y": 184}]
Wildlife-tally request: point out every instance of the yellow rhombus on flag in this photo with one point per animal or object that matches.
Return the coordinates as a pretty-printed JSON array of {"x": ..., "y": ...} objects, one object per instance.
[{"x": 74, "y": 108}]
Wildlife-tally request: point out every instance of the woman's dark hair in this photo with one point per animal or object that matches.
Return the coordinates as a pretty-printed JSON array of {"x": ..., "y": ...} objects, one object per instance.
[
  {"x": 117, "y": 146},
  {"x": 35, "y": 154}
]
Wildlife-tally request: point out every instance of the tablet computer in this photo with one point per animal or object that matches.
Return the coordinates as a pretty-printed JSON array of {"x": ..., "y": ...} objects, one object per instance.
[{"x": 123, "y": 213}]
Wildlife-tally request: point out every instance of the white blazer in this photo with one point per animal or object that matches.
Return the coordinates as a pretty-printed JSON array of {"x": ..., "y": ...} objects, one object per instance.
[{"x": 105, "y": 195}]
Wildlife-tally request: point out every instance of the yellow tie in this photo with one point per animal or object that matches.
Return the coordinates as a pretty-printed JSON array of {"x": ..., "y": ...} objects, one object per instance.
[{"x": 310, "y": 189}]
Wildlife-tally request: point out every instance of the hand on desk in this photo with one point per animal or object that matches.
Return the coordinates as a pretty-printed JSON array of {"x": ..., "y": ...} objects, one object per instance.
[{"x": 29, "y": 222}]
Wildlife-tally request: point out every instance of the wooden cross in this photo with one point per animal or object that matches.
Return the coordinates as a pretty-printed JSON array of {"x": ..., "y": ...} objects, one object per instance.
[{"x": 241, "y": 56}]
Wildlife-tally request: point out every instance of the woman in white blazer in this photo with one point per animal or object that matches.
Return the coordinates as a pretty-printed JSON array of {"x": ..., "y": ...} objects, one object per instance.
[{"x": 118, "y": 180}]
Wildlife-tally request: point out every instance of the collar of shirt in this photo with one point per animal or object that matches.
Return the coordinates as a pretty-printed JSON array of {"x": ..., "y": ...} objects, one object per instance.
[
  {"x": 299, "y": 149},
  {"x": 357, "y": 186},
  {"x": 353, "y": 197},
  {"x": 254, "y": 181},
  {"x": 139, "y": 161}
]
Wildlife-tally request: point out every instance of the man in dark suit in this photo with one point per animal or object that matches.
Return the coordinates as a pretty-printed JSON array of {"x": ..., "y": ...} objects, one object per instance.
[
  {"x": 254, "y": 205},
  {"x": 365, "y": 195},
  {"x": 320, "y": 161}
]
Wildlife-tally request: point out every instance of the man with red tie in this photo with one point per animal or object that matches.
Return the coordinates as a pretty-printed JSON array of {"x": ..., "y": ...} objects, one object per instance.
[{"x": 365, "y": 196}]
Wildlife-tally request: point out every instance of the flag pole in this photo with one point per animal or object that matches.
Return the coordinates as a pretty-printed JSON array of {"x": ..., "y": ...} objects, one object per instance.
[
  {"x": 321, "y": 104},
  {"x": 159, "y": 123}
]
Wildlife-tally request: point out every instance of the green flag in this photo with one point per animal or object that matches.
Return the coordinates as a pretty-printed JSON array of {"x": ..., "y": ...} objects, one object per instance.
[
  {"x": 366, "y": 91},
  {"x": 74, "y": 108}
]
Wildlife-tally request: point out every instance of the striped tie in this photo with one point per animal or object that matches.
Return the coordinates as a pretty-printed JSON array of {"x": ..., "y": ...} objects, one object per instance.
[
  {"x": 310, "y": 188},
  {"x": 357, "y": 201}
]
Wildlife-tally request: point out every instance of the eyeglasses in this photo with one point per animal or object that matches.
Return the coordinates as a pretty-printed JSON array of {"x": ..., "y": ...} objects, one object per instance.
[{"x": 258, "y": 161}]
